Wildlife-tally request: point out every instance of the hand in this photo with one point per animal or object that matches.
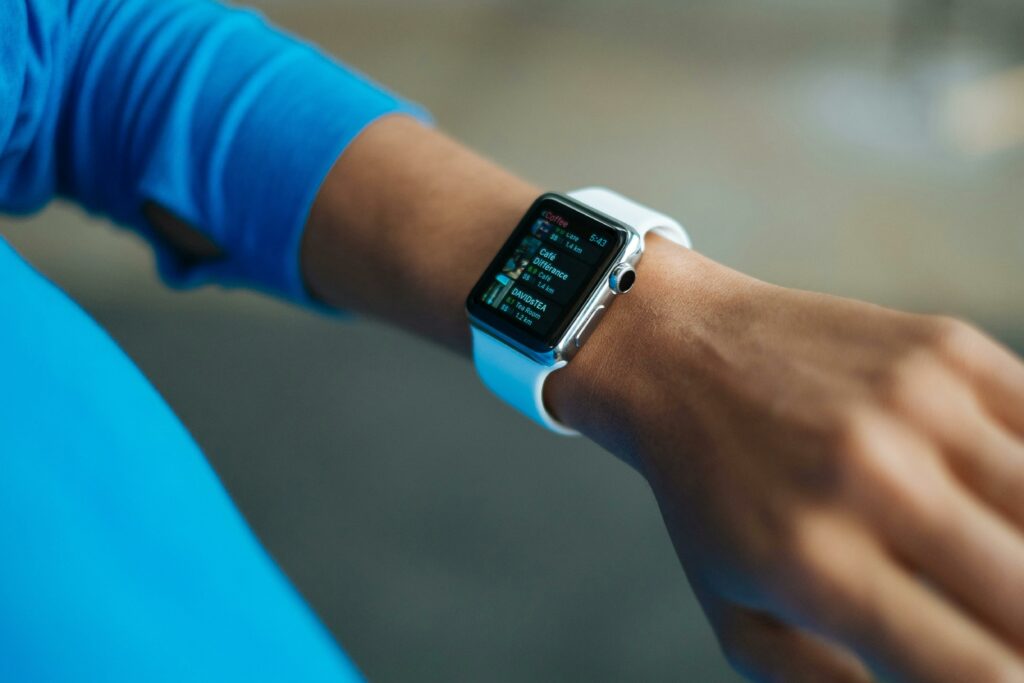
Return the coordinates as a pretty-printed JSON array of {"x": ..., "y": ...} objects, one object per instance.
[{"x": 844, "y": 484}]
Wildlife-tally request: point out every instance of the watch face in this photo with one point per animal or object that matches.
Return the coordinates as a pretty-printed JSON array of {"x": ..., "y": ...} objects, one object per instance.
[{"x": 542, "y": 277}]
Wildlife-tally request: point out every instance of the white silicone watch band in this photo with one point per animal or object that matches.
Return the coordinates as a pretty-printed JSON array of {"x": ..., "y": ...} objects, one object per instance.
[
  {"x": 515, "y": 378},
  {"x": 519, "y": 380},
  {"x": 636, "y": 216}
]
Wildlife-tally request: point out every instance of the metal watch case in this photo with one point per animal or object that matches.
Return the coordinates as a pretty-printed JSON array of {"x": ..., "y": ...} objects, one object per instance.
[{"x": 589, "y": 315}]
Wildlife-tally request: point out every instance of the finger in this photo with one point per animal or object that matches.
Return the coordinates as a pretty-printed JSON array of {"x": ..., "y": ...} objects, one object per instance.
[
  {"x": 984, "y": 454},
  {"x": 960, "y": 546},
  {"x": 907, "y": 631},
  {"x": 989, "y": 460},
  {"x": 1002, "y": 391},
  {"x": 765, "y": 650},
  {"x": 998, "y": 374}
]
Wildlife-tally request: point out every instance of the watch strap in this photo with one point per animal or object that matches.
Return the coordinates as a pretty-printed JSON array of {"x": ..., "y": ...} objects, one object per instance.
[
  {"x": 637, "y": 216},
  {"x": 518, "y": 379}
]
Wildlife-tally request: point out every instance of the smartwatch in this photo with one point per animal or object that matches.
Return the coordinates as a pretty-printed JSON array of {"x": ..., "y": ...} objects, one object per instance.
[{"x": 547, "y": 288}]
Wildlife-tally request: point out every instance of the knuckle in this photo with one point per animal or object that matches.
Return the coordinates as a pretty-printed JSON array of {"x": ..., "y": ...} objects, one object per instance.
[
  {"x": 964, "y": 348},
  {"x": 949, "y": 337},
  {"x": 911, "y": 374},
  {"x": 924, "y": 498},
  {"x": 852, "y": 445},
  {"x": 877, "y": 464},
  {"x": 811, "y": 571},
  {"x": 905, "y": 381},
  {"x": 833, "y": 599},
  {"x": 872, "y": 460},
  {"x": 847, "y": 445},
  {"x": 853, "y": 429}
]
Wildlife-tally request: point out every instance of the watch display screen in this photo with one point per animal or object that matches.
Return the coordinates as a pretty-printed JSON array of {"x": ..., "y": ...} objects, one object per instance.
[{"x": 543, "y": 275}]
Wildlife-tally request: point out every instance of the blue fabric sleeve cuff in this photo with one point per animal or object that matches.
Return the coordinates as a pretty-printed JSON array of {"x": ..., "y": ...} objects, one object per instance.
[
  {"x": 224, "y": 121},
  {"x": 291, "y": 128}
]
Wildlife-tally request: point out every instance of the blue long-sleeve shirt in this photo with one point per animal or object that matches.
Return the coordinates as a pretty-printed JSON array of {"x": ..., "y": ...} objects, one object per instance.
[{"x": 123, "y": 557}]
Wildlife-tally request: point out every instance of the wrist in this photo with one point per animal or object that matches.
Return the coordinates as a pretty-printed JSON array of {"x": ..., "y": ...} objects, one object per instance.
[{"x": 664, "y": 329}]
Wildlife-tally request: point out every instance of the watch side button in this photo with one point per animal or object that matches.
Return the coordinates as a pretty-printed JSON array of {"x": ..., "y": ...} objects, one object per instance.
[{"x": 589, "y": 326}]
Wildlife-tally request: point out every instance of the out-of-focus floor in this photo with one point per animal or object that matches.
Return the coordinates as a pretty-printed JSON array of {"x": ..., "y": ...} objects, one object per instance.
[{"x": 866, "y": 149}]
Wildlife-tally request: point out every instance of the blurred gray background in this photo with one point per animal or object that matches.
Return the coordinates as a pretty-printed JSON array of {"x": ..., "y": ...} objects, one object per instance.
[{"x": 870, "y": 148}]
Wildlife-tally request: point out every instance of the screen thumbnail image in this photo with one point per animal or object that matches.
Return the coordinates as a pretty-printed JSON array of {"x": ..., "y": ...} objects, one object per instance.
[
  {"x": 542, "y": 229},
  {"x": 511, "y": 271}
]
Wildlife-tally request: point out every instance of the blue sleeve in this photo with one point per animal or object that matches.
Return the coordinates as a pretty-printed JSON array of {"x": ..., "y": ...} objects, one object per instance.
[
  {"x": 124, "y": 559},
  {"x": 202, "y": 109}
]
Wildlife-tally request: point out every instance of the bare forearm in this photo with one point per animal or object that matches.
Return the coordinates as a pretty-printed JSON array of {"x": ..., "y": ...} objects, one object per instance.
[
  {"x": 809, "y": 453},
  {"x": 404, "y": 225}
]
